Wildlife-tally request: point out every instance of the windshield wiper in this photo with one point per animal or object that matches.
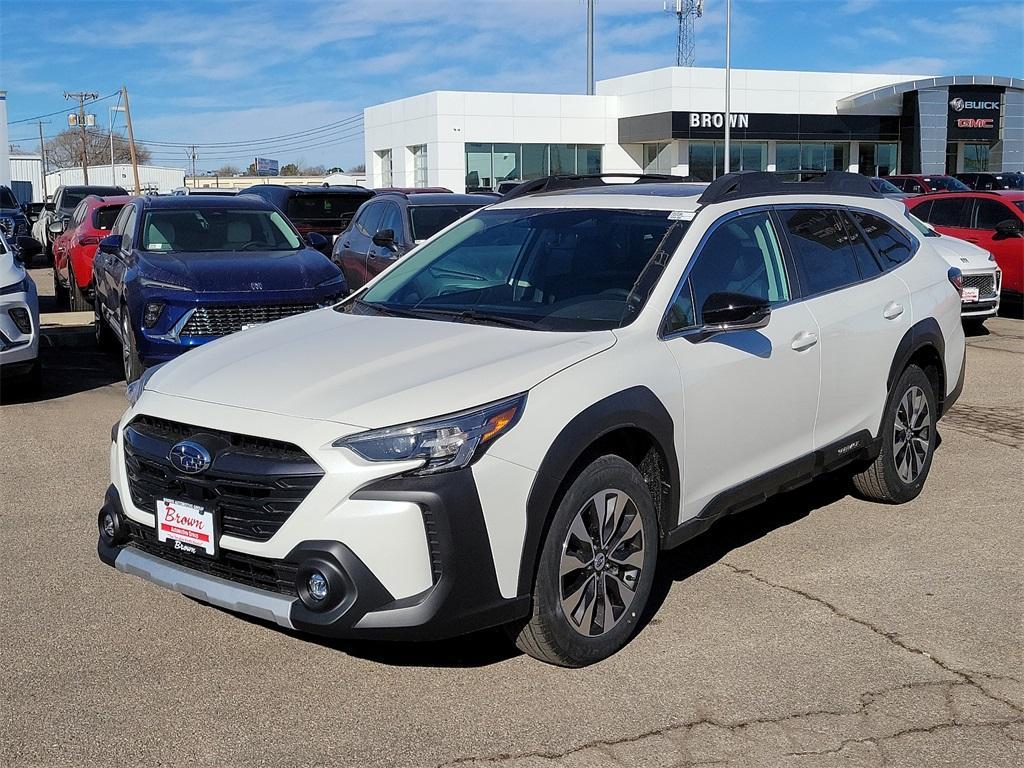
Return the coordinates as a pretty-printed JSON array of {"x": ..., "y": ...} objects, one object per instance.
[
  {"x": 472, "y": 316},
  {"x": 387, "y": 309}
]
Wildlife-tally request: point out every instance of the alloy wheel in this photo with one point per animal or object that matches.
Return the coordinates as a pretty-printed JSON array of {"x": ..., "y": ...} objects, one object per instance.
[
  {"x": 601, "y": 563},
  {"x": 911, "y": 435}
]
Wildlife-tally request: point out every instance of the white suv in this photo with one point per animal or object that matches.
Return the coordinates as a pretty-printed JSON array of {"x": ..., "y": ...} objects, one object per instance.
[{"x": 511, "y": 424}]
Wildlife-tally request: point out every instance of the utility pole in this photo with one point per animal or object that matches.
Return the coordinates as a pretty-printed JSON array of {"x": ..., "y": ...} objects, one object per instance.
[
  {"x": 131, "y": 139},
  {"x": 590, "y": 47},
  {"x": 82, "y": 97},
  {"x": 42, "y": 155},
  {"x": 191, "y": 155},
  {"x": 728, "y": 76}
]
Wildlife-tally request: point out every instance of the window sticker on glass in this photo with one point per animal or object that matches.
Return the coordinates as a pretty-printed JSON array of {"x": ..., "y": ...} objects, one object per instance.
[{"x": 680, "y": 216}]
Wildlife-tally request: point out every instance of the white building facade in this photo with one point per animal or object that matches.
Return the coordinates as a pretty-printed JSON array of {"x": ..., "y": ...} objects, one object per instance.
[{"x": 671, "y": 121}]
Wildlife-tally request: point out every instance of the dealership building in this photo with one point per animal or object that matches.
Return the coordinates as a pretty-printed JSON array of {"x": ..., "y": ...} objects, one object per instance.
[{"x": 672, "y": 121}]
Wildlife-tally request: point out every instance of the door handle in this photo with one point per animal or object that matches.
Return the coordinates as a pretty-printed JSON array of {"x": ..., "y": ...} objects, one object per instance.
[
  {"x": 371, "y": 255},
  {"x": 345, "y": 244},
  {"x": 892, "y": 310},
  {"x": 804, "y": 340}
]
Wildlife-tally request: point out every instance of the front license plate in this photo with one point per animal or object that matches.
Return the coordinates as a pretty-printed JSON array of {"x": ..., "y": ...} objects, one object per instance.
[
  {"x": 971, "y": 294},
  {"x": 187, "y": 527}
]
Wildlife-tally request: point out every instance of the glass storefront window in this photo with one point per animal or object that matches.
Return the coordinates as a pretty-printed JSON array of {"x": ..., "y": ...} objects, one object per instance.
[
  {"x": 657, "y": 158},
  {"x": 812, "y": 156},
  {"x": 419, "y": 165},
  {"x": 505, "y": 162},
  {"x": 707, "y": 158},
  {"x": 976, "y": 157},
  {"x": 535, "y": 161},
  {"x": 387, "y": 179},
  {"x": 876, "y": 159},
  {"x": 487, "y": 164}
]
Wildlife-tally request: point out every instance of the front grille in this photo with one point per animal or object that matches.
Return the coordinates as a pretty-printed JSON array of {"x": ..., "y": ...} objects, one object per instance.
[
  {"x": 7, "y": 225},
  {"x": 253, "y": 484},
  {"x": 986, "y": 284},
  {"x": 259, "y": 572},
  {"x": 220, "y": 321}
]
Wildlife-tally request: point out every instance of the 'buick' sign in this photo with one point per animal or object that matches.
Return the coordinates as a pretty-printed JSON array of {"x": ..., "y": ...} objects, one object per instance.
[{"x": 973, "y": 113}]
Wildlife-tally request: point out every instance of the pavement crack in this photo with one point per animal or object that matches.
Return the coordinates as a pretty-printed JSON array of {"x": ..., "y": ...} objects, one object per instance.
[
  {"x": 879, "y": 740},
  {"x": 891, "y": 637}
]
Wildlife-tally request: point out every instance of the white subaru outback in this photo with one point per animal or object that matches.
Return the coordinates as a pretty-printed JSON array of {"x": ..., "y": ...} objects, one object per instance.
[{"x": 511, "y": 424}]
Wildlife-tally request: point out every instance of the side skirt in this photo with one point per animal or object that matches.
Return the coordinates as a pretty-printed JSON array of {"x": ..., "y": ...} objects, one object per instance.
[{"x": 857, "y": 447}]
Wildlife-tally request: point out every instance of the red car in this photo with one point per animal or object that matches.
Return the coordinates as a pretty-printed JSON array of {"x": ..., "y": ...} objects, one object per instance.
[
  {"x": 75, "y": 248},
  {"x": 992, "y": 220},
  {"x": 919, "y": 185}
]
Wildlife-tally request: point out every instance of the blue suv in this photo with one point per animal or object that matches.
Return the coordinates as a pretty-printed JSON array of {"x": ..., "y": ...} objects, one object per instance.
[{"x": 177, "y": 272}]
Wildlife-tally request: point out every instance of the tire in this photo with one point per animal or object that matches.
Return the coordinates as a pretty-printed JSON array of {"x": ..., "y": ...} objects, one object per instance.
[
  {"x": 60, "y": 293},
  {"x": 898, "y": 473},
  {"x": 101, "y": 331},
  {"x": 564, "y": 628},
  {"x": 76, "y": 299},
  {"x": 133, "y": 366}
]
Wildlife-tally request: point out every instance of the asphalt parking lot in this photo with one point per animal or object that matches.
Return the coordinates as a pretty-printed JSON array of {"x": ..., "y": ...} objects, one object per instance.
[{"x": 815, "y": 630}]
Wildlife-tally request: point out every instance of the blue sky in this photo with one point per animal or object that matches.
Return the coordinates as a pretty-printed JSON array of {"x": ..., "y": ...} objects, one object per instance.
[{"x": 210, "y": 71}]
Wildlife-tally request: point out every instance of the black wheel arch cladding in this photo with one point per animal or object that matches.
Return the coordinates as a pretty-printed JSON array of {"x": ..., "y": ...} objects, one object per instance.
[
  {"x": 923, "y": 336},
  {"x": 634, "y": 409}
]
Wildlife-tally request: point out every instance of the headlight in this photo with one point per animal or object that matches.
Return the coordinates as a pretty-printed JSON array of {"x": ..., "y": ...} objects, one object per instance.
[
  {"x": 135, "y": 389},
  {"x": 19, "y": 287},
  {"x": 450, "y": 442},
  {"x": 151, "y": 283}
]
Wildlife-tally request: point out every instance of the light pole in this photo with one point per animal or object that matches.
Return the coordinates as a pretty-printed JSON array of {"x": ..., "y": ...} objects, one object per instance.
[
  {"x": 110, "y": 113},
  {"x": 728, "y": 75}
]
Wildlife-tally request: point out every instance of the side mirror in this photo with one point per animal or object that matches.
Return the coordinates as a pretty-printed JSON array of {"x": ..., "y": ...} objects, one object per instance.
[
  {"x": 50, "y": 207},
  {"x": 1010, "y": 228},
  {"x": 29, "y": 247},
  {"x": 319, "y": 242},
  {"x": 734, "y": 312},
  {"x": 111, "y": 244},
  {"x": 385, "y": 238},
  {"x": 57, "y": 227}
]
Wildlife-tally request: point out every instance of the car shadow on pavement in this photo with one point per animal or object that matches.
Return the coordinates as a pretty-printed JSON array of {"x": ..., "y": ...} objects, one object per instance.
[{"x": 65, "y": 371}]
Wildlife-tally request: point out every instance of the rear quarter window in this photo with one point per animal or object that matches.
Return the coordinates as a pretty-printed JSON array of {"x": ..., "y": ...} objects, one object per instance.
[
  {"x": 821, "y": 249},
  {"x": 892, "y": 244}
]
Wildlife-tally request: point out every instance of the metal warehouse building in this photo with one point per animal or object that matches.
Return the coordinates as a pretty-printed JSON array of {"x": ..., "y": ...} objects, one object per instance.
[{"x": 672, "y": 121}]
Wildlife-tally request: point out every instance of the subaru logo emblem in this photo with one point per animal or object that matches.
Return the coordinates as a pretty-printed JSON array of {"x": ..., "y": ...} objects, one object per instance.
[{"x": 189, "y": 457}]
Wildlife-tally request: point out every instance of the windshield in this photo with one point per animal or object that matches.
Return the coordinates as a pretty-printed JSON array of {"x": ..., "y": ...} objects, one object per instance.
[
  {"x": 947, "y": 183},
  {"x": 886, "y": 187},
  {"x": 217, "y": 229},
  {"x": 428, "y": 220},
  {"x": 1010, "y": 181},
  {"x": 7, "y": 198},
  {"x": 103, "y": 218},
  {"x": 72, "y": 197},
  {"x": 315, "y": 206},
  {"x": 566, "y": 270}
]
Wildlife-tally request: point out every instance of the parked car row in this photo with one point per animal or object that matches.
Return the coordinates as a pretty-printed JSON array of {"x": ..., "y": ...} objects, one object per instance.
[{"x": 19, "y": 310}]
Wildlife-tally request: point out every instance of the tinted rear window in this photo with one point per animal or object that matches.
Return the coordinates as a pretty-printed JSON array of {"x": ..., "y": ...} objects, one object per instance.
[
  {"x": 892, "y": 244},
  {"x": 103, "y": 218},
  {"x": 428, "y": 220},
  {"x": 821, "y": 247},
  {"x": 330, "y": 207}
]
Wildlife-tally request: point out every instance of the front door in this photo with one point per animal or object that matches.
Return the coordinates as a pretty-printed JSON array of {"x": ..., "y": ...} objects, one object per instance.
[{"x": 749, "y": 396}]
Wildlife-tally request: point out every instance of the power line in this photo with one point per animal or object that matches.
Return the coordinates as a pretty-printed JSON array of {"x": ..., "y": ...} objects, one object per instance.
[
  {"x": 344, "y": 139},
  {"x": 58, "y": 112},
  {"x": 228, "y": 144}
]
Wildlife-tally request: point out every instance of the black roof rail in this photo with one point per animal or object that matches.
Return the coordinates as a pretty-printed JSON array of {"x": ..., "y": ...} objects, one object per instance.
[
  {"x": 582, "y": 180},
  {"x": 736, "y": 186}
]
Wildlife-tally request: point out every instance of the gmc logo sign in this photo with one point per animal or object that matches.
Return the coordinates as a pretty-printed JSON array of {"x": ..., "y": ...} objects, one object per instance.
[{"x": 975, "y": 122}]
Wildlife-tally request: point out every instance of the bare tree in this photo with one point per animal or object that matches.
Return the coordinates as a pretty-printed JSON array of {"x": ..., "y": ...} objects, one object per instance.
[
  {"x": 65, "y": 149},
  {"x": 358, "y": 168},
  {"x": 227, "y": 170}
]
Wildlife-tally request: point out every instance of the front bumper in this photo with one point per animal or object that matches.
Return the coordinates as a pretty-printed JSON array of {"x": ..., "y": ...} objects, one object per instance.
[
  {"x": 18, "y": 350},
  {"x": 408, "y": 557}
]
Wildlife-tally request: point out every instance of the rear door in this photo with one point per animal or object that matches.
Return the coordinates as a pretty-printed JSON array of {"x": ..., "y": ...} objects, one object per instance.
[
  {"x": 380, "y": 257},
  {"x": 862, "y": 313},
  {"x": 355, "y": 243},
  {"x": 985, "y": 215},
  {"x": 749, "y": 396}
]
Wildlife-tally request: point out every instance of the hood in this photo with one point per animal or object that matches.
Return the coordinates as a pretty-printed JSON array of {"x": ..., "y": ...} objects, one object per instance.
[
  {"x": 371, "y": 371},
  {"x": 220, "y": 271},
  {"x": 961, "y": 254}
]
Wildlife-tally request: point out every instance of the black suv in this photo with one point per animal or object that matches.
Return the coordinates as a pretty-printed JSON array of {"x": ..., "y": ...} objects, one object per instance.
[
  {"x": 326, "y": 210},
  {"x": 390, "y": 224},
  {"x": 985, "y": 181},
  {"x": 13, "y": 220}
]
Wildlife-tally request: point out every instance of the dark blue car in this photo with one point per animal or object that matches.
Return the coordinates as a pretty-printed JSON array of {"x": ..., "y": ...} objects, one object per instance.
[{"x": 177, "y": 272}]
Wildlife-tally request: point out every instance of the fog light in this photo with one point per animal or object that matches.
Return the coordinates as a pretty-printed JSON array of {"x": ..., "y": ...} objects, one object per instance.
[
  {"x": 112, "y": 530},
  {"x": 107, "y": 524},
  {"x": 21, "y": 319},
  {"x": 317, "y": 586},
  {"x": 152, "y": 313}
]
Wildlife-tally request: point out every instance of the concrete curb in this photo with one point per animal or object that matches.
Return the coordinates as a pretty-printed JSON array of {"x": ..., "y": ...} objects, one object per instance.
[{"x": 66, "y": 329}]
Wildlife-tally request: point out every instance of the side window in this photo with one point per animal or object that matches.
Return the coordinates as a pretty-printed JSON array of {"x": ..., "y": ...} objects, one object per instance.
[
  {"x": 890, "y": 242},
  {"x": 948, "y": 212},
  {"x": 369, "y": 219},
  {"x": 78, "y": 215},
  {"x": 923, "y": 211},
  {"x": 988, "y": 213},
  {"x": 392, "y": 220},
  {"x": 118, "y": 227},
  {"x": 821, "y": 249},
  {"x": 129, "y": 228},
  {"x": 741, "y": 256},
  {"x": 900, "y": 183},
  {"x": 862, "y": 252},
  {"x": 913, "y": 186}
]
